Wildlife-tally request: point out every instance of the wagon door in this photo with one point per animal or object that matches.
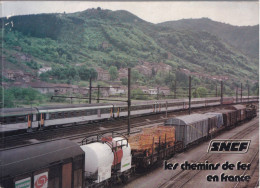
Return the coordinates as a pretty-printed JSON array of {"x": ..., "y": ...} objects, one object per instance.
[{"x": 66, "y": 175}]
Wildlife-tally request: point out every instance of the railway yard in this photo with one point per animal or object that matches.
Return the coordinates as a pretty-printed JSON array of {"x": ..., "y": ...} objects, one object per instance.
[
  {"x": 180, "y": 178},
  {"x": 152, "y": 172}
]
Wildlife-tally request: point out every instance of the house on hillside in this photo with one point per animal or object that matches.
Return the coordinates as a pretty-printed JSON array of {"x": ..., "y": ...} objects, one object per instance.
[
  {"x": 103, "y": 75},
  {"x": 122, "y": 73},
  {"x": 161, "y": 67},
  {"x": 15, "y": 74},
  {"x": 44, "y": 87},
  {"x": 164, "y": 90},
  {"x": 114, "y": 90},
  {"x": 105, "y": 45},
  {"x": 44, "y": 69},
  {"x": 153, "y": 91}
]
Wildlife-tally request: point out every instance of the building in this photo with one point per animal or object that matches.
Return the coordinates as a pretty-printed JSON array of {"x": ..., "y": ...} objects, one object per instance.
[
  {"x": 165, "y": 90},
  {"x": 44, "y": 87},
  {"x": 103, "y": 75},
  {"x": 105, "y": 45},
  {"x": 122, "y": 73},
  {"x": 153, "y": 91},
  {"x": 44, "y": 69},
  {"x": 115, "y": 90}
]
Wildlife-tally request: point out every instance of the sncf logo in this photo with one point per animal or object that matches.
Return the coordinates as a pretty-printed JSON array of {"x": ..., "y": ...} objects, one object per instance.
[{"x": 228, "y": 146}]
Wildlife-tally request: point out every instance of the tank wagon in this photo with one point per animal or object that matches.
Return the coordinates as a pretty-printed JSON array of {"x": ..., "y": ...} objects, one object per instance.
[{"x": 107, "y": 159}]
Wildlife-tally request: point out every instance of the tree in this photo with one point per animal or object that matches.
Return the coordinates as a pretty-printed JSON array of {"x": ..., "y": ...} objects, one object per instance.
[
  {"x": 84, "y": 73},
  {"x": 113, "y": 73},
  {"x": 124, "y": 81},
  {"x": 202, "y": 92},
  {"x": 135, "y": 75},
  {"x": 138, "y": 94},
  {"x": 93, "y": 73}
]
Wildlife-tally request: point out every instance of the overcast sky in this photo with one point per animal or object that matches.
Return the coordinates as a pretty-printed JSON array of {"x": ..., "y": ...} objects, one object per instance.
[{"x": 235, "y": 13}]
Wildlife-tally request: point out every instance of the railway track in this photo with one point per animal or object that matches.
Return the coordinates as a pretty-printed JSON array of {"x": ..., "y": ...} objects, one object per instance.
[
  {"x": 85, "y": 130},
  {"x": 182, "y": 178},
  {"x": 255, "y": 163}
]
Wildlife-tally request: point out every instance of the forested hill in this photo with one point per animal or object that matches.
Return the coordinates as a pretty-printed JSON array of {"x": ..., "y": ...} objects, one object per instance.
[
  {"x": 244, "y": 38},
  {"x": 104, "y": 38}
]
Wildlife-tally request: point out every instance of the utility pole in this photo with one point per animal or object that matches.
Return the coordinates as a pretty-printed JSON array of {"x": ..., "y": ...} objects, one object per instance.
[
  {"x": 221, "y": 92},
  {"x": 90, "y": 88},
  {"x": 241, "y": 93},
  {"x": 237, "y": 95},
  {"x": 157, "y": 93},
  {"x": 248, "y": 92},
  {"x": 175, "y": 88},
  {"x": 189, "y": 93},
  {"x": 129, "y": 99},
  {"x": 98, "y": 94}
]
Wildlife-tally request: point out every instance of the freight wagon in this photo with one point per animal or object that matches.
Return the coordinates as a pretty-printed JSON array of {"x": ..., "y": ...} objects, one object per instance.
[
  {"x": 229, "y": 117},
  {"x": 55, "y": 164},
  {"x": 152, "y": 145},
  {"x": 190, "y": 128},
  {"x": 240, "y": 110}
]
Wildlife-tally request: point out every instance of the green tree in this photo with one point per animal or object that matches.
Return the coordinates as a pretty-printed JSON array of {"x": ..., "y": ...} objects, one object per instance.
[
  {"x": 6, "y": 98},
  {"x": 202, "y": 92},
  {"x": 124, "y": 81},
  {"x": 135, "y": 76},
  {"x": 113, "y": 73},
  {"x": 138, "y": 94}
]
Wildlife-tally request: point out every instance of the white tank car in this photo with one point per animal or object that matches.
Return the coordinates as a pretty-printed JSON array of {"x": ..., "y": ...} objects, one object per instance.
[
  {"x": 127, "y": 157},
  {"x": 98, "y": 160}
]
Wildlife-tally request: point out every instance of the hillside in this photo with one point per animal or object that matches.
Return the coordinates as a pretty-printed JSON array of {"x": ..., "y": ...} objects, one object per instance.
[
  {"x": 72, "y": 43},
  {"x": 244, "y": 38}
]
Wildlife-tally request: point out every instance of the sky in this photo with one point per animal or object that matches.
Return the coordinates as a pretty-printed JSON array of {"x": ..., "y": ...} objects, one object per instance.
[{"x": 234, "y": 13}]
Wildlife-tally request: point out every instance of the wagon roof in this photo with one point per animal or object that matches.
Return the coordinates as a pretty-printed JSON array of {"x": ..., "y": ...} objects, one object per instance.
[
  {"x": 18, "y": 161},
  {"x": 237, "y": 107},
  {"x": 187, "y": 119},
  {"x": 224, "y": 111},
  {"x": 214, "y": 113}
]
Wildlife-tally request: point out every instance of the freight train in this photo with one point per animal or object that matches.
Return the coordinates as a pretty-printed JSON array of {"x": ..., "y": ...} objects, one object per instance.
[{"x": 105, "y": 159}]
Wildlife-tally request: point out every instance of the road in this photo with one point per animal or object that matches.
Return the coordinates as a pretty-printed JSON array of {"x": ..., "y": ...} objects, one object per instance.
[{"x": 195, "y": 178}]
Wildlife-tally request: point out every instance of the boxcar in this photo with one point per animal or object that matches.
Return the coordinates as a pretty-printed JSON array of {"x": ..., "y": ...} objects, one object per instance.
[
  {"x": 55, "y": 164},
  {"x": 229, "y": 117},
  {"x": 241, "y": 111},
  {"x": 219, "y": 116},
  {"x": 189, "y": 128}
]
